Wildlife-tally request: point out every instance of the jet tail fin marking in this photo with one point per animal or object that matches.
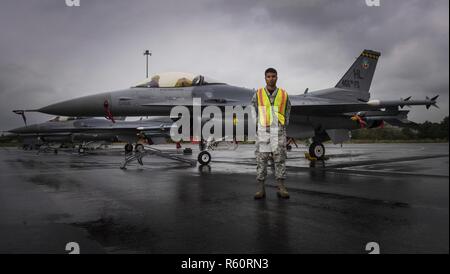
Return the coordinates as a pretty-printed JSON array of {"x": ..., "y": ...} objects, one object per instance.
[{"x": 359, "y": 76}]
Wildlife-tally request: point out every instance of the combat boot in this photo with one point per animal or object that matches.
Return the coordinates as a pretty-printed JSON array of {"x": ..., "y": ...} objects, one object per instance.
[
  {"x": 282, "y": 191},
  {"x": 261, "y": 190}
]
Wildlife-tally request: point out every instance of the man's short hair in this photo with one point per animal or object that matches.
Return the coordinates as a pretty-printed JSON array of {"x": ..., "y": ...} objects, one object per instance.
[{"x": 270, "y": 70}]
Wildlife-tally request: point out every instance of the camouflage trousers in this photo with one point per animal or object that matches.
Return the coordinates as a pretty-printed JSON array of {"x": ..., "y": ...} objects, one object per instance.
[{"x": 275, "y": 150}]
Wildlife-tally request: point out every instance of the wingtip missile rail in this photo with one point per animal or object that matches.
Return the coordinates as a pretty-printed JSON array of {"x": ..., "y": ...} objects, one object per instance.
[{"x": 428, "y": 102}]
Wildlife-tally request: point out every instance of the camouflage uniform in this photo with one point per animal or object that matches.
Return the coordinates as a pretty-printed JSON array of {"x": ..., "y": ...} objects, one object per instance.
[
  {"x": 271, "y": 143},
  {"x": 277, "y": 154}
]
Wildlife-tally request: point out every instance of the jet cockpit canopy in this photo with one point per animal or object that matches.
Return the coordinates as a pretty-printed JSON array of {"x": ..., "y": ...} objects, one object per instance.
[{"x": 176, "y": 80}]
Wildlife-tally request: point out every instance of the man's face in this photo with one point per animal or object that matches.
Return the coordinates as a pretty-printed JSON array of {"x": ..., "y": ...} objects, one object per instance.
[{"x": 271, "y": 79}]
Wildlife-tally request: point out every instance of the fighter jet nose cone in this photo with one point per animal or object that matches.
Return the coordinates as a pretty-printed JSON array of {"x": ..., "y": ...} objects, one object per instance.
[
  {"x": 15, "y": 130},
  {"x": 93, "y": 105},
  {"x": 51, "y": 109},
  {"x": 23, "y": 130}
]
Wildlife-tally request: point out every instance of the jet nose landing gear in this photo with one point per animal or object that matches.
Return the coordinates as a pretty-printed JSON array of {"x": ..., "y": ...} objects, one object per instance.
[
  {"x": 317, "y": 150},
  {"x": 204, "y": 158}
]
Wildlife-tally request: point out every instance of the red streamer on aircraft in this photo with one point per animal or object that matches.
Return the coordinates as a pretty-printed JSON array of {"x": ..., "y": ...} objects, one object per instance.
[{"x": 108, "y": 114}]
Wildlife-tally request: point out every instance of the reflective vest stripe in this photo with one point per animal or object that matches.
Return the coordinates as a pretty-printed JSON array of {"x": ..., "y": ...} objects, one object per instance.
[
  {"x": 263, "y": 110},
  {"x": 283, "y": 101},
  {"x": 281, "y": 95},
  {"x": 265, "y": 107}
]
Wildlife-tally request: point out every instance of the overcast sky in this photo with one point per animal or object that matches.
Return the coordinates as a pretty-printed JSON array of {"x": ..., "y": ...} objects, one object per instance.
[{"x": 50, "y": 52}]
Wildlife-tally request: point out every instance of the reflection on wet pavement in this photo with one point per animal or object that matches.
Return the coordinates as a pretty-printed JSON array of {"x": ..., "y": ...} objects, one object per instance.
[{"x": 363, "y": 193}]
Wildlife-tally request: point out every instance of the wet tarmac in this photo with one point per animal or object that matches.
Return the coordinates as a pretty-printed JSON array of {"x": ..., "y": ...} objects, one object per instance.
[{"x": 396, "y": 195}]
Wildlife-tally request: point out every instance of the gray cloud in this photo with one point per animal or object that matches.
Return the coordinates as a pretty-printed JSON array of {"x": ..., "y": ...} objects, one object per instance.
[{"x": 51, "y": 52}]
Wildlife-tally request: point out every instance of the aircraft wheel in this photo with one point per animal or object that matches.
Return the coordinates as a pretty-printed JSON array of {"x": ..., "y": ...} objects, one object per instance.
[
  {"x": 81, "y": 150},
  {"x": 139, "y": 148},
  {"x": 317, "y": 150},
  {"x": 128, "y": 148},
  {"x": 204, "y": 158}
]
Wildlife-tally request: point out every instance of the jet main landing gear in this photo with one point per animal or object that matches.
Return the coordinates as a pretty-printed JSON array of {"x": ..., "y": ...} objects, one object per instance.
[
  {"x": 128, "y": 148},
  {"x": 139, "y": 148},
  {"x": 316, "y": 155}
]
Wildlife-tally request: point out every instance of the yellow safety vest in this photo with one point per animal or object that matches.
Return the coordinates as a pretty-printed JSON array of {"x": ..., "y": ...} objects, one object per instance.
[
  {"x": 235, "y": 120},
  {"x": 265, "y": 107}
]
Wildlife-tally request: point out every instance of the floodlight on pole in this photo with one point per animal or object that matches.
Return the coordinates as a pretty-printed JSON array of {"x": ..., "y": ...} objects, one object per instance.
[{"x": 147, "y": 53}]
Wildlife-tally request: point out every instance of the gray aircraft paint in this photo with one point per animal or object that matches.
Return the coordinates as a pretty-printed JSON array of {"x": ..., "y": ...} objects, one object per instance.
[
  {"x": 312, "y": 113},
  {"x": 92, "y": 129}
]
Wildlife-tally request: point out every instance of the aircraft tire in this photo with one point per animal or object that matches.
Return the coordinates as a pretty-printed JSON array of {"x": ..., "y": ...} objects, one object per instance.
[
  {"x": 128, "y": 148},
  {"x": 204, "y": 158},
  {"x": 139, "y": 148},
  {"x": 317, "y": 150}
]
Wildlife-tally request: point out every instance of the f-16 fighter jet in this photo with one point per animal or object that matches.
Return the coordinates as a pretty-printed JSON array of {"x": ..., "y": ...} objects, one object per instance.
[
  {"x": 320, "y": 115},
  {"x": 82, "y": 131}
]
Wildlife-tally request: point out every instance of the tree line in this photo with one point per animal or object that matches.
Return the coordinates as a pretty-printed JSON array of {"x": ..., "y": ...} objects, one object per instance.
[{"x": 421, "y": 131}]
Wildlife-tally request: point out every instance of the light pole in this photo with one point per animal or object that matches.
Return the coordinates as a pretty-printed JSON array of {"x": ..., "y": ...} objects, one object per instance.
[{"x": 147, "y": 53}]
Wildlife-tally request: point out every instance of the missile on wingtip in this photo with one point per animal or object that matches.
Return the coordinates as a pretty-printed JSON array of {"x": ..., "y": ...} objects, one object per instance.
[{"x": 404, "y": 102}]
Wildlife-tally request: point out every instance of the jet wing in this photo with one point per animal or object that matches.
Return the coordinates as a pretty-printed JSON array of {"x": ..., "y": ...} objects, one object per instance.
[
  {"x": 323, "y": 106},
  {"x": 329, "y": 108},
  {"x": 126, "y": 128},
  {"x": 44, "y": 134},
  {"x": 308, "y": 105}
]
